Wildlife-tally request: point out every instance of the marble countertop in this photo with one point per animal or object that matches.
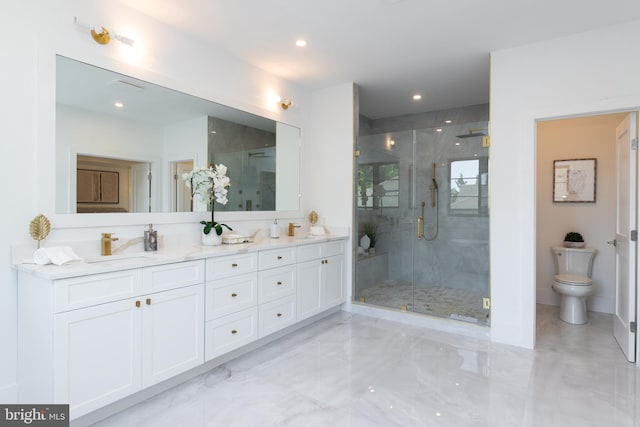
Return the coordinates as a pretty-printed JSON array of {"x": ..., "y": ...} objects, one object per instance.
[{"x": 127, "y": 261}]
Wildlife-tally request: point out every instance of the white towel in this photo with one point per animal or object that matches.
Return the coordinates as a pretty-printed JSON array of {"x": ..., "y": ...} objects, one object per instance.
[{"x": 57, "y": 255}]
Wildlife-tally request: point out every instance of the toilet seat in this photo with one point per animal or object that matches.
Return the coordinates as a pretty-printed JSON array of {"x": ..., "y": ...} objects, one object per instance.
[{"x": 573, "y": 279}]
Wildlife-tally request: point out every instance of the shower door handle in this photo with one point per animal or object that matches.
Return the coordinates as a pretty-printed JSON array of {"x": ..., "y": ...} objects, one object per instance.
[{"x": 421, "y": 222}]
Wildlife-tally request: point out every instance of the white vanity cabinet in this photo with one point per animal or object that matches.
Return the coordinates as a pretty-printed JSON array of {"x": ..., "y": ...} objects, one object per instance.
[
  {"x": 91, "y": 340},
  {"x": 231, "y": 303},
  {"x": 320, "y": 275}
]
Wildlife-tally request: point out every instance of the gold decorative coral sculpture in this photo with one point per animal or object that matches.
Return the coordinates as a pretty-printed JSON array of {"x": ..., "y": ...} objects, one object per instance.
[{"x": 39, "y": 228}]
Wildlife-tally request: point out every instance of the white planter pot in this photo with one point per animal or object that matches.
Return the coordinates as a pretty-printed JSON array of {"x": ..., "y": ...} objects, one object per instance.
[
  {"x": 573, "y": 244},
  {"x": 211, "y": 239}
]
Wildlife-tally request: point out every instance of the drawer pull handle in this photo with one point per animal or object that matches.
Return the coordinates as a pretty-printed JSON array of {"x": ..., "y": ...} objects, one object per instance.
[
  {"x": 148, "y": 301},
  {"x": 233, "y": 331},
  {"x": 279, "y": 283},
  {"x": 279, "y": 314},
  {"x": 234, "y": 265},
  {"x": 234, "y": 295},
  {"x": 138, "y": 304},
  {"x": 279, "y": 257}
]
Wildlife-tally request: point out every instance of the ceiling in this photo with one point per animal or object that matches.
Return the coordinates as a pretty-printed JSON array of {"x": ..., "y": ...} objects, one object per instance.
[{"x": 391, "y": 48}]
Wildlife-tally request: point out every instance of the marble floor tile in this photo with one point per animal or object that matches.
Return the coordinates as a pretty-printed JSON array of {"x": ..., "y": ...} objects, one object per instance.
[{"x": 354, "y": 370}]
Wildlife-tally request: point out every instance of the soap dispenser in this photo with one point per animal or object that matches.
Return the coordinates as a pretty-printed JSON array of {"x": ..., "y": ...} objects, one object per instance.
[
  {"x": 151, "y": 239},
  {"x": 275, "y": 230}
]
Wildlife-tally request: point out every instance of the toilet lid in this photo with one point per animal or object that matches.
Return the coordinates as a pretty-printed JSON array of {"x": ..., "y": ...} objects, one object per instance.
[{"x": 573, "y": 279}]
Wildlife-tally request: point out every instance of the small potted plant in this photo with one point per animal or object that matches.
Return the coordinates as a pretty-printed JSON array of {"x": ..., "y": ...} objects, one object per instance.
[
  {"x": 371, "y": 230},
  {"x": 573, "y": 240}
]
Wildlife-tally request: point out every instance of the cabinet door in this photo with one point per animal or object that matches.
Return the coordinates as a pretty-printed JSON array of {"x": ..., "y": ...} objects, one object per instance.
[
  {"x": 97, "y": 355},
  {"x": 172, "y": 333},
  {"x": 87, "y": 186},
  {"x": 333, "y": 281},
  {"x": 308, "y": 289}
]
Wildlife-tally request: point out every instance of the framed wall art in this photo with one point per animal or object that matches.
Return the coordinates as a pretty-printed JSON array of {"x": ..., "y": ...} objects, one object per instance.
[{"x": 574, "y": 181}]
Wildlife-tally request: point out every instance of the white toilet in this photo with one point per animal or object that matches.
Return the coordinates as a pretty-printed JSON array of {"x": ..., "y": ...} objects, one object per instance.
[{"x": 572, "y": 281}]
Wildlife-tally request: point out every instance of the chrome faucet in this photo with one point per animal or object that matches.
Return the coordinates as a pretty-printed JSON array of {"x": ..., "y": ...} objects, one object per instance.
[{"x": 106, "y": 243}]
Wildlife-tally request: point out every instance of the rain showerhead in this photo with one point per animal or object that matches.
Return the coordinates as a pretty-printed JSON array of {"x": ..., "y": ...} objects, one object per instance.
[
  {"x": 472, "y": 133},
  {"x": 259, "y": 154}
]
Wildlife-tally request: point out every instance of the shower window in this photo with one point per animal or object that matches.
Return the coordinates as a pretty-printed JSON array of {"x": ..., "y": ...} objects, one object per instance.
[
  {"x": 378, "y": 185},
  {"x": 468, "y": 189}
]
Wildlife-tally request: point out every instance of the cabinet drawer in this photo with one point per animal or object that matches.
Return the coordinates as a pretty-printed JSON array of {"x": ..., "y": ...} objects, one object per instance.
[
  {"x": 85, "y": 291},
  {"x": 319, "y": 250},
  {"x": 172, "y": 276},
  {"x": 231, "y": 265},
  {"x": 276, "y": 283},
  {"x": 230, "y": 332},
  {"x": 309, "y": 252},
  {"x": 276, "y": 315},
  {"x": 276, "y": 257},
  {"x": 332, "y": 248},
  {"x": 226, "y": 296}
]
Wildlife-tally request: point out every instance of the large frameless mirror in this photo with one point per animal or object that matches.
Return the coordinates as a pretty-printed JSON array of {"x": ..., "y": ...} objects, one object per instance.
[{"x": 122, "y": 145}]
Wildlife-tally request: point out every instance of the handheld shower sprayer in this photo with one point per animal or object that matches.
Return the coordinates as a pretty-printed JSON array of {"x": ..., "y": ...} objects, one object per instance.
[
  {"x": 434, "y": 186},
  {"x": 434, "y": 204}
]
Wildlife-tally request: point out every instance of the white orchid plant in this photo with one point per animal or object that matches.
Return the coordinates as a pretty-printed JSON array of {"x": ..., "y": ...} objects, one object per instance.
[{"x": 209, "y": 185}]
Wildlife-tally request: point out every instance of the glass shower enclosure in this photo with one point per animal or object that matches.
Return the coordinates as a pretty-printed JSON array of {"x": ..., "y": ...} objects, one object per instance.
[{"x": 423, "y": 221}]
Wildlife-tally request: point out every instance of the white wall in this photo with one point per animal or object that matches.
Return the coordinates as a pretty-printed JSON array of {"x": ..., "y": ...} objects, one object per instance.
[
  {"x": 19, "y": 171},
  {"x": 577, "y": 138},
  {"x": 589, "y": 72},
  {"x": 38, "y": 30},
  {"x": 328, "y": 180}
]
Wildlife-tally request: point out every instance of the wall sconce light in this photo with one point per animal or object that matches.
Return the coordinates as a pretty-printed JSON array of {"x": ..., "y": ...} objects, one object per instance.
[
  {"x": 285, "y": 103},
  {"x": 103, "y": 36}
]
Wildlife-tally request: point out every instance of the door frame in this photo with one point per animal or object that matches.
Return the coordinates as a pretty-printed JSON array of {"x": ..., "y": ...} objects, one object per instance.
[{"x": 561, "y": 113}]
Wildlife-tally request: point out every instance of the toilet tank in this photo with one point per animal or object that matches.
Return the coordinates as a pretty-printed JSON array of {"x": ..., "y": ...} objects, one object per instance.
[{"x": 577, "y": 261}]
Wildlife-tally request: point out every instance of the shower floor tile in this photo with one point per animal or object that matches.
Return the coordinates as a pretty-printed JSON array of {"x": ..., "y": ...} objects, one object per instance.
[{"x": 458, "y": 304}]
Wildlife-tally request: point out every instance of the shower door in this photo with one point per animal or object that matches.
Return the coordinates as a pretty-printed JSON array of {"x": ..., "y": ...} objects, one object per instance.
[
  {"x": 421, "y": 198},
  {"x": 451, "y": 253}
]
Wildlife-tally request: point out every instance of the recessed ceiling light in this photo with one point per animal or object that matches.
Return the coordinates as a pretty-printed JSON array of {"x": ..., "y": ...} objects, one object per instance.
[
  {"x": 439, "y": 130},
  {"x": 301, "y": 43},
  {"x": 448, "y": 121},
  {"x": 417, "y": 97},
  {"x": 119, "y": 104}
]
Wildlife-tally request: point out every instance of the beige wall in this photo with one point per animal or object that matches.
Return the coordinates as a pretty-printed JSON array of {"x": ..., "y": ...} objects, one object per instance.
[{"x": 577, "y": 138}]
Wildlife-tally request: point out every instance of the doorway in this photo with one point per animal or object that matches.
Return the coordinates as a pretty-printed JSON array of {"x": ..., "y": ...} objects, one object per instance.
[{"x": 584, "y": 137}]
